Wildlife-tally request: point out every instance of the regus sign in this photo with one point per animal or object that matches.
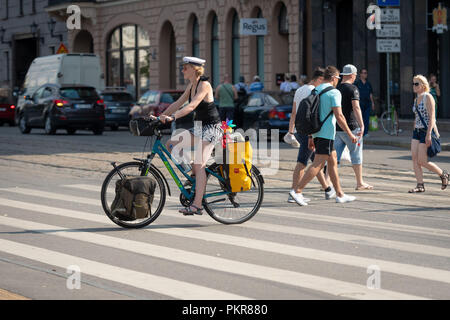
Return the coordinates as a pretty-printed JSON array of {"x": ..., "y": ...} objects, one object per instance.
[{"x": 253, "y": 27}]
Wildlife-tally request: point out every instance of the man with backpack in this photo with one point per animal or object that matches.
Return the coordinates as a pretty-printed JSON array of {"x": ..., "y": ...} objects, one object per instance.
[
  {"x": 323, "y": 109},
  {"x": 226, "y": 94},
  {"x": 304, "y": 153}
]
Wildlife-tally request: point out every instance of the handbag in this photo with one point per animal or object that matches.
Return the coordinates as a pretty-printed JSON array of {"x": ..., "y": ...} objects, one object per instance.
[{"x": 435, "y": 147}]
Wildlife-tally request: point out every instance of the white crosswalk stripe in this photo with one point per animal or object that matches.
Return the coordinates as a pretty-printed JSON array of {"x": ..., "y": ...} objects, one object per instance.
[{"x": 322, "y": 284}]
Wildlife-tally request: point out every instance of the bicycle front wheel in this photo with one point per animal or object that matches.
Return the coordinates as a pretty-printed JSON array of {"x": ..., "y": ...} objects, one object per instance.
[
  {"x": 233, "y": 208},
  {"x": 132, "y": 169}
]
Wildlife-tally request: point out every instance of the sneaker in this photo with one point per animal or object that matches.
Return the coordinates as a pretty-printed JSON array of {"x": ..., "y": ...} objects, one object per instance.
[
  {"x": 330, "y": 194},
  {"x": 298, "y": 198},
  {"x": 291, "y": 200},
  {"x": 345, "y": 199}
]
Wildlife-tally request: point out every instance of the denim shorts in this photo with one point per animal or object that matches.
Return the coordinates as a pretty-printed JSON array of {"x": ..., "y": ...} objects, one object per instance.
[
  {"x": 419, "y": 134},
  {"x": 304, "y": 154},
  {"x": 342, "y": 139}
]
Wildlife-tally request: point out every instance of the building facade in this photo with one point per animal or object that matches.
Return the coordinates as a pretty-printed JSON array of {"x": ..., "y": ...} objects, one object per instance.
[
  {"x": 141, "y": 42},
  {"x": 26, "y": 33}
]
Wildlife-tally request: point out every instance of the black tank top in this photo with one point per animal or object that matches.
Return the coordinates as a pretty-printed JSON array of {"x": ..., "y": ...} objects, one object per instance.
[{"x": 205, "y": 112}]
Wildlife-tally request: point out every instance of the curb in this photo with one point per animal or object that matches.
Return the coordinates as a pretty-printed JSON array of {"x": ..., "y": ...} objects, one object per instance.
[{"x": 399, "y": 144}]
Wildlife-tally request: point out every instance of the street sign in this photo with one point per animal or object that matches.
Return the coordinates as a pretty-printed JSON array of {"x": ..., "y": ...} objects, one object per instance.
[
  {"x": 62, "y": 49},
  {"x": 389, "y": 3},
  {"x": 389, "y": 31},
  {"x": 389, "y": 45},
  {"x": 390, "y": 15},
  {"x": 253, "y": 27}
]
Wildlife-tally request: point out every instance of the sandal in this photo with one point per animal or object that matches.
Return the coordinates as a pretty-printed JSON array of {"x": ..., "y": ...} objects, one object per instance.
[
  {"x": 189, "y": 212},
  {"x": 444, "y": 179},
  {"x": 364, "y": 187},
  {"x": 420, "y": 188}
]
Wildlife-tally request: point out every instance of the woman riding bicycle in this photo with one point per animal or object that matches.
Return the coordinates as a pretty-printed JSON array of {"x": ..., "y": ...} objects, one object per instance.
[{"x": 200, "y": 95}]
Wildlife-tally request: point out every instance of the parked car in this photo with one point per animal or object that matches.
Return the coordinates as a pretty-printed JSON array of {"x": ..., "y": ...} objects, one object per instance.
[
  {"x": 118, "y": 104},
  {"x": 155, "y": 102},
  {"x": 7, "y": 111},
  {"x": 54, "y": 107},
  {"x": 279, "y": 116},
  {"x": 64, "y": 69}
]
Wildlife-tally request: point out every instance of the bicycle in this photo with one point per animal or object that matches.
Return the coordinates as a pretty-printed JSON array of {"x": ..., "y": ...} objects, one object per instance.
[
  {"x": 219, "y": 202},
  {"x": 389, "y": 121}
]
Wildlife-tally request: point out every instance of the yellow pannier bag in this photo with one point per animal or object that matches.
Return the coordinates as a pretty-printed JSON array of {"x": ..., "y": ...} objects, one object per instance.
[{"x": 239, "y": 160}]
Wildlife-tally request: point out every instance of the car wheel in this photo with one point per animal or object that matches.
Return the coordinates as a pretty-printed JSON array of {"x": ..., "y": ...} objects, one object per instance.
[
  {"x": 114, "y": 127},
  {"x": 49, "y": 126},
  {"x": 12, "y": 123},
  {"x": 71, "y": 131},
  {"x": 23, "y": 125},
  {"x": 98, "y": 131}
]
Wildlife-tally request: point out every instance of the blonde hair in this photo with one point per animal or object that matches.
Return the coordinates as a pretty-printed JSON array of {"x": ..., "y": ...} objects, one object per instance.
[
  {"x": 200, "y": 71},
  {"x": 424, "y": 81}
]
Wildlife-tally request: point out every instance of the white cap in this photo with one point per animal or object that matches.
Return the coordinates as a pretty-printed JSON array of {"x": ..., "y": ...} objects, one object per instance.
[
  {"x": 349, "y": 70},
  {"x": 195, "y": 61}
]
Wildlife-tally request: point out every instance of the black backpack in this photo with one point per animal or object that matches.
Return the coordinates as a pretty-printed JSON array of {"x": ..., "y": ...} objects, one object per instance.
[{"x": 307, "y": 120}]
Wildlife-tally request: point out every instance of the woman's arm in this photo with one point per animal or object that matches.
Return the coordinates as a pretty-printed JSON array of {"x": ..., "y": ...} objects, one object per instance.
[
  {"x": 203, "y": 90},
  {"x": 430, "y": 108},
  {"x": 177, "y": 104}
]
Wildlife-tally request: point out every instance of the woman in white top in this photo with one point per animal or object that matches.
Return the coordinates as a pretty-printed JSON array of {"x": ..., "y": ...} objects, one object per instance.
[{"x": 424, "y": 105}]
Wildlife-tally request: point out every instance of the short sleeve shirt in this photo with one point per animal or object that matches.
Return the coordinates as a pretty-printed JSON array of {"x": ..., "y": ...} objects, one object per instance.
[
  {"x": 328, "y": 101},
  {"x": 349, "y": 93}
]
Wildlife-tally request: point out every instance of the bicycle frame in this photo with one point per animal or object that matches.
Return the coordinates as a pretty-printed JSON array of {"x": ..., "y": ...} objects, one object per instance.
[{"x": 160, "y": 149}]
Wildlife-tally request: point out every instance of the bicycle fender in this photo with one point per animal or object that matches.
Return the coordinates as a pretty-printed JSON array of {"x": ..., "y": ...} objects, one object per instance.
[
  {"x": 162, "y": 177},
  {"x": 258, "y": 173}
]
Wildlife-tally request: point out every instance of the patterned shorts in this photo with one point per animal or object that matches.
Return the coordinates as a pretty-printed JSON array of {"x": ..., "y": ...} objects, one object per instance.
[{"x": 210, "y": 132}]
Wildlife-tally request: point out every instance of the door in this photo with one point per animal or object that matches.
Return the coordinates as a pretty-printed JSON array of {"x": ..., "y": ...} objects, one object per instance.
[
  {"x": 45, "y": 102},
  {"x": 32, "y": 110}
]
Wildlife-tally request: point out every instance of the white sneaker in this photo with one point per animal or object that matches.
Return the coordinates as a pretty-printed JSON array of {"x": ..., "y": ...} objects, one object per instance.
[
  {"x": 291, "y": 200},
  {"x": 331, "y": 194},
  {"x": 345, "y": 199},
  {"x": 298, "y": 198}
]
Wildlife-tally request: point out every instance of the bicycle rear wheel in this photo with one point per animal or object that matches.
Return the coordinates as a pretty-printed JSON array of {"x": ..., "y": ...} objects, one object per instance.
[
  {"x": 234, "y": 208},
  {"x": 132, "y": 169}
]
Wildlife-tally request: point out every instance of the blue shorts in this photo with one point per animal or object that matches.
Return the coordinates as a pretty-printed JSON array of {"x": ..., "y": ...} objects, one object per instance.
[
  {"x": 419, "y": 134},
  {"x": 304, "y": 154},
  {"x": 342, "y": 139}
]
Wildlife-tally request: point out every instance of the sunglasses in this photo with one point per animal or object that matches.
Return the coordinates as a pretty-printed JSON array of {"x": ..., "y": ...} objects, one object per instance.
[
  {"x": 337, "y": 77},
  {"x": 416, "y": 84}
]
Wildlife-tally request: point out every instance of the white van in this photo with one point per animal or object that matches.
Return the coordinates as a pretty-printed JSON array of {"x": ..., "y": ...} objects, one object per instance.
[{"x": 63, "y": 69}]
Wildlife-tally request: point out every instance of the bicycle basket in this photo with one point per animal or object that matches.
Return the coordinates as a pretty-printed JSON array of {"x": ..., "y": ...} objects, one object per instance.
[{"x": 142, "y": 127}]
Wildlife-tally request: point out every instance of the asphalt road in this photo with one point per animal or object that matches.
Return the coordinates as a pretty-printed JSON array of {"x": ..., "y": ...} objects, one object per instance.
[{"x": 386, "y": 245}]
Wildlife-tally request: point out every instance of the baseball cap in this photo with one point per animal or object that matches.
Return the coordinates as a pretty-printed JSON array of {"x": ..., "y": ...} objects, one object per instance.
[
  {"x": 349, "y": 70},
  {"x": 194, "y": 61}
]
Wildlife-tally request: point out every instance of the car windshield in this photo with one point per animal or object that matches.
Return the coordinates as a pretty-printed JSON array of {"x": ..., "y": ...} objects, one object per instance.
[
  {"x": 4, "y": 100},
  {"x": 79, "y": 93},
  {"x": 271, "y": 101},
  {"x": 287, "y": 98},
  {"x": 170, "y": 97},
  {"x": 148, "y": 98},
  {"x": 120, "y": 97}
]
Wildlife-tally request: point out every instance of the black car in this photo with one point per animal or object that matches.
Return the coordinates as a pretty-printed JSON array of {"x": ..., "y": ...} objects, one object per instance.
[
  {"x": 55, "y": 107},
  {"x": 250, "y": 113},
  {"x": 117, "y": 108}
]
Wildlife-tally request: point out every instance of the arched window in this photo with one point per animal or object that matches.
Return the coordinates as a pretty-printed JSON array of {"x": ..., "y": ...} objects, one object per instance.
[
  {"x": 236, "y": 50},
  {"x": 215, "y": 52},
  {"x": 195, "y": 38},
  {"x": 128, "y": 59},
  {"x": 283, "y": 23},
  {"x": 260, "y": 52}
]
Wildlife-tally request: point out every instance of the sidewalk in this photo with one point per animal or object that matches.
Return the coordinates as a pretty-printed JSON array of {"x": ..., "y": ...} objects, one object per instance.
[{"x": 403, "y": 140}]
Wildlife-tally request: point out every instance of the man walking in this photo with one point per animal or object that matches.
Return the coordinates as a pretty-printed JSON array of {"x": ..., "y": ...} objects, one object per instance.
[
  {"x": 366, "y": 98},
  {"x": 226, "y": 94},
  {"x": 256, "y": 85},
  {"x": 323, "y": 141},
  {"x": 353, "y": 116},
  {"x": 304, "y": 153}
]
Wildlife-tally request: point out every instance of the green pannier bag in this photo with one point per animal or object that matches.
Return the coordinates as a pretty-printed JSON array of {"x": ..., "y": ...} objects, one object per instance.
[{"x": 134, "y": 197}]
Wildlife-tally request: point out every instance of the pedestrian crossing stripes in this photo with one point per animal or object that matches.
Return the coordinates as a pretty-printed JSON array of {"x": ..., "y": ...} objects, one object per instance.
[{"x": 10, "y": 218}]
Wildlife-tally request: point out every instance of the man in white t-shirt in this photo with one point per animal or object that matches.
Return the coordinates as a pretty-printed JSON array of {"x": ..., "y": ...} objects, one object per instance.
[{"x": 304, "y": 153}]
